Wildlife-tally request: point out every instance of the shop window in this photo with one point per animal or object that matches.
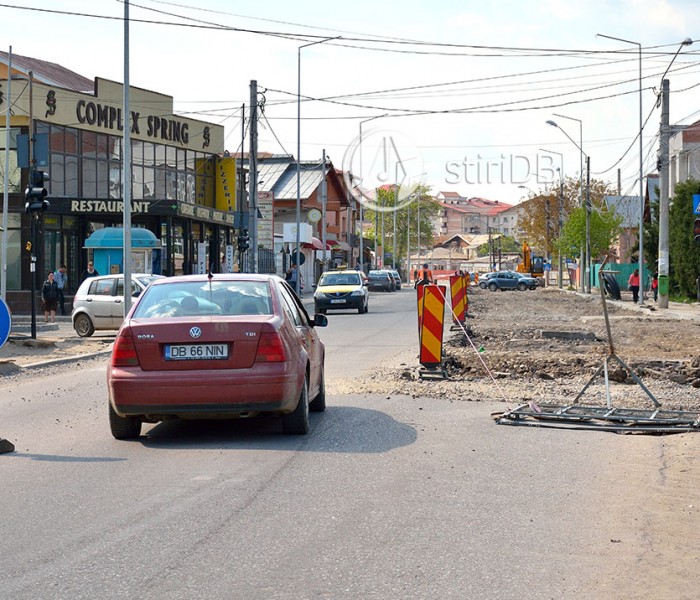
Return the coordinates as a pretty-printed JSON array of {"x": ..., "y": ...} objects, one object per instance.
[
  {"x": 71, "y": 176},
  {"x": 149, "y": 183},
  {"x": 88, "y": 144},
  {"x": 56, "y": 139},
  {"x": 70, "y": 141},
  {"x": 171, "y": 156},
  {"x": 137, "y": 182},
  {"x": 56, "y": 185},
  {"x": 148, "y": 154},
  {"x": 101, "y": 146},
  {"x": 182, "y": 186},
  {"x": 115, "y": 148},
  {"x": 15, "y": 178},
  {"x": 115, "y": 180},
  {"x": 89, "y": 178},
  {"x": 159, "y": 160},
  {"x": 137, "y": 152},
  {"x": 102, "y": 179}
]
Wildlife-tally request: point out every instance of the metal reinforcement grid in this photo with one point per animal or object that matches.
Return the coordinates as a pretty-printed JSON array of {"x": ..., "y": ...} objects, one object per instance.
[{"x": 620, "y": 420}]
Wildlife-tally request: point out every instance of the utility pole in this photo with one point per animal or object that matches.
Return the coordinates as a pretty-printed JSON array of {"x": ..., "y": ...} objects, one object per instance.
[
  {"x": 253, "y": 176},
  {"x": 6, "y": 183},
  {"x": 561, "y": 223},
  {"x": 588, "y": 225},
  {"x": 34, "y": 250},
  {"x": 324, "y": 203},
  {"x": 546, "y": 241},
  {"x": 241, "y": 189},
  {"x": 664, "y": 135}
]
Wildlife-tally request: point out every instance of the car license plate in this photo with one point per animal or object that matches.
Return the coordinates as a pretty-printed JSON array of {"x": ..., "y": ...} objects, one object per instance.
[
  {"x": 196, "y": 351},
  {"x": 338, "y": 301}
]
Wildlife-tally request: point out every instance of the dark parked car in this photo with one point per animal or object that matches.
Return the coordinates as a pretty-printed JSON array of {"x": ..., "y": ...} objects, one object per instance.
[
  {"x": 380, "y": 281},
  {"x": 509, "y": 280},
  {"x": 219, "y": 346}
]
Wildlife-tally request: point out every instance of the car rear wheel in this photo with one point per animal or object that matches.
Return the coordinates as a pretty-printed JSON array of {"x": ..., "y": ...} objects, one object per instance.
[
  {"x": 83, "y": 325},
  {"x": 124, "y": 428},
  {"x": 319, "y": 402},
  {"x": 297, "y": 421},
  {"x": 493, "y": 287},
  {"x": 522, "y": 287}
]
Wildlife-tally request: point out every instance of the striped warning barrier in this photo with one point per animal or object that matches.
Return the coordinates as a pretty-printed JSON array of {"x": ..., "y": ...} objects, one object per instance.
[
  {"x": 467, "y": 282},
  {"x": 458, "y": 296},
  {"x": 432, "y": 320},
  {"x": 419, "y": 296}
]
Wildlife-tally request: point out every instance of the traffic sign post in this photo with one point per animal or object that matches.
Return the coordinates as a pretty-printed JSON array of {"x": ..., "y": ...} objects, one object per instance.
[{"x": 5, "y": 326}]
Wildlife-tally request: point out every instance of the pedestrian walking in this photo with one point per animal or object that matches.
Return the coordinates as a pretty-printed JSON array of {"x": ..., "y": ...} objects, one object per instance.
[
  {"x": 633, "y": 285},
  {"x": 654, "y": 285},
  {"x": 91, "y": 271},
  {"x": 61, "y": 279},
  {"x": 49, "y": 296}
]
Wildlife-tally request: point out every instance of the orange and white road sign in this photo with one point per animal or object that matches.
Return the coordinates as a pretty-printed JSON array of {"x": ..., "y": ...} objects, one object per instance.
[{"x": 432, "y": 322}]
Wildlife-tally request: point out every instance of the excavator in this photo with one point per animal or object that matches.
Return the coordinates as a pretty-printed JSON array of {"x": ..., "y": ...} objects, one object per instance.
[{"x": 531, "y": 264}]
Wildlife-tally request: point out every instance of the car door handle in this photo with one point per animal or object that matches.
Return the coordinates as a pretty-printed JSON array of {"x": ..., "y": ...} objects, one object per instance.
[{"x": 118, "y": 300}]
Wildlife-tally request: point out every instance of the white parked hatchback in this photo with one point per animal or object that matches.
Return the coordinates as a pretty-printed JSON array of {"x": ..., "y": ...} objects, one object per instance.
[{"x": 99, "y": 302}]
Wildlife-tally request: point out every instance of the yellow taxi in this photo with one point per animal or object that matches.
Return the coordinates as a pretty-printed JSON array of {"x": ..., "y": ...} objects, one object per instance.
[{"x": 341, "y": 290}]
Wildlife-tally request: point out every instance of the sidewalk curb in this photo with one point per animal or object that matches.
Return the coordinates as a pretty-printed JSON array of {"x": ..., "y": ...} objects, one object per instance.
[{"x": 65, "y": 360}]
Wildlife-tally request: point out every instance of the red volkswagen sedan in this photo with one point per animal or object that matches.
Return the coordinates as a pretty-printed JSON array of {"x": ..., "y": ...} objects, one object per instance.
[{"x": 216, "y": 346}]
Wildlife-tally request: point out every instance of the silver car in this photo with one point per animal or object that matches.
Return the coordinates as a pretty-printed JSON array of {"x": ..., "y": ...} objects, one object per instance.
[{"x": 99, "y": 302}]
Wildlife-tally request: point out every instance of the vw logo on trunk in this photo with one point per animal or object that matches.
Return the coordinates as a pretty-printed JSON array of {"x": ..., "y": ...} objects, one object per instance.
[{"x": 195, "y": 332}]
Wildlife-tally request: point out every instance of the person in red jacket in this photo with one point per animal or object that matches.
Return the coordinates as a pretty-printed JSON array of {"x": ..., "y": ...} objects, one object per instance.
[{"x": 633, "y": 285}]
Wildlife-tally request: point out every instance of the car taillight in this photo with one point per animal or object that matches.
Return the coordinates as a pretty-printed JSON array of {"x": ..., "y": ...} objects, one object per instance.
[
  {"x": 270, "y": 348},
  {"x": 124, "y": 351}
]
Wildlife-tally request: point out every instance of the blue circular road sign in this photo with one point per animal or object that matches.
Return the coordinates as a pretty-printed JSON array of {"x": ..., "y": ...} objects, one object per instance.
[{"x": 5, "y": 324}]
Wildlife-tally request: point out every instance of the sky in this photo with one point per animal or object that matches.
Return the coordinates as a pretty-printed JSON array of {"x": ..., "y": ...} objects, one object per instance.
[{"x": 455, "y": 95}]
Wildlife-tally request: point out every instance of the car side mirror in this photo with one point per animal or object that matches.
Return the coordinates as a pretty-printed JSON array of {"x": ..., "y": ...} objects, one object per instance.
[{"x": 319, "y": 320}]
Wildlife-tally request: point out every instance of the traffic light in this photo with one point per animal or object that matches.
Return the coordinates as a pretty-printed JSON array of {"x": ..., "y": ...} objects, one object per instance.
[
  {"x": 696, "y": 231},
  {"x": 243, "y": 240},
  {"x": 35, "y": 195}
]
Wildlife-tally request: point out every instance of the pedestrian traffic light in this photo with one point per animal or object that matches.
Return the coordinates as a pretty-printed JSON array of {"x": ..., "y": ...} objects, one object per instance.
[
  {"x": 696, "y": 231},
  {"x": 243, "y": 240},
  {"x": 35, "y": 195}
]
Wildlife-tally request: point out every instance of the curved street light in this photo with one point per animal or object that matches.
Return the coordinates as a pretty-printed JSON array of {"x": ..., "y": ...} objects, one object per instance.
[
  {"x": 585, "y": 258},
  {"x": 298, "y": 207},
  {"x": 664, "y": 135},
  {"x": 641, "y": 167}
]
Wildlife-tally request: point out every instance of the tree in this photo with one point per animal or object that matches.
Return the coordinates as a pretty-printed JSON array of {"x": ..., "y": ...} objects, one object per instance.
[
  {"x": 429, "y": 209},
  {"x": 604, "y": 228},
  {"x": 684, "y": 255},
  {"x": 506, "y": 243},
  {"x": 539, "y": 218}
]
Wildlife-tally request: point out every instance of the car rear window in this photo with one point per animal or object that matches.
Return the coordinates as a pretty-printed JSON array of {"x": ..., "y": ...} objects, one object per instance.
[{"x": 202, "y": 298}]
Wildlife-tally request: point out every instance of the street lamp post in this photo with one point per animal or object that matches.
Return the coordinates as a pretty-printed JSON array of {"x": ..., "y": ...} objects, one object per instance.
[
  {"x": 584, "y": 259},
  {"x": 641, "y": 168},
  {"x": 298, "y": 207},
  {"x": 560, "y": 219},
  {"x": 361, "y": 195},
  {"x": 664, "y": 135}
]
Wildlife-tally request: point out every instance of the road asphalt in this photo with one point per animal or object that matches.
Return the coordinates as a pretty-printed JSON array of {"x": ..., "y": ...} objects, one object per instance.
[{"x": 62, "y": 329}]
